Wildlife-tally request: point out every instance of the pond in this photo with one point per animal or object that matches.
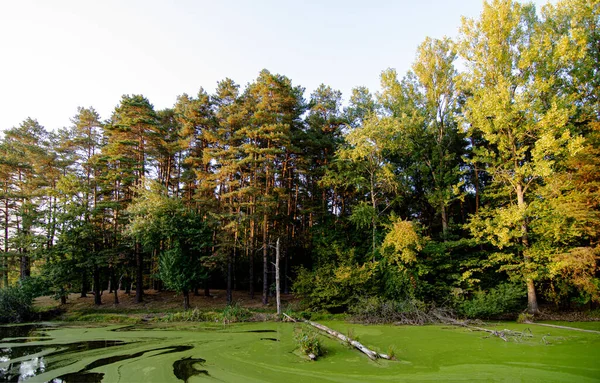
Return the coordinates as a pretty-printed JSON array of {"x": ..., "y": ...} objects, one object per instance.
[{"x": 266, "y": 352}]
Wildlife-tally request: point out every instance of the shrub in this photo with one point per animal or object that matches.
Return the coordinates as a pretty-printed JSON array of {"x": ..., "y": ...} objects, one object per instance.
[
  {"x": 194, "y": 315},
  {"x": 236, "y": 313},
  {"x": 378, "y": 310},
  {"x": 308, "y": 342},
  {"x": 15, "y": 304},
  {"x": 35, "y": 286},
  {"x": 100, "y": 318},
  {"x": 502, "y": 299},
  {"x": 524, "y": 318},
  {"x": 333, "y": 288}
]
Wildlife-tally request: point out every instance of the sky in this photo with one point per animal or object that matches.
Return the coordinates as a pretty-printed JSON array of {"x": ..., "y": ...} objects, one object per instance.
[{"x": 58, "y": 55}]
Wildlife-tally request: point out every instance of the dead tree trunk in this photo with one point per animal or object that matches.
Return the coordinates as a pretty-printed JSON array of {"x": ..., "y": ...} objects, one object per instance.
[
  {"x": 360, "y": 347},
  {"x": 277, "y": 286}
]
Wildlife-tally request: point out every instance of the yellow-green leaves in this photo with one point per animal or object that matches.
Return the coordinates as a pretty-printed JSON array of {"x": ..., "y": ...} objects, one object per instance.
[
  {"x": 501, "y": 226},
  {"x": 402, "y": 242}
]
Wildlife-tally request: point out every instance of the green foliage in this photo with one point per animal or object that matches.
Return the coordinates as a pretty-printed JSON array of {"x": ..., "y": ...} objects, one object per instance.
[
  {"x": 101, "y": 318},
  {"x": 308, "y": 341},
  {"x": 15, "y": 304},
  {"x": 235, "y": 313},
  {"x": 439, "y": 185},
  {"x": 35, "y": 286},
  {"x": 194, "y": 315},
  {"x": 505, "y": 298},
  {"x": 332, "y": 287},
  {"x": 402, "y": 242},
  {"x": 524, "y": 318},
  {"x": 177, "y": 271},
  {"x": 163, "y": 223},
  {"x": 397, "y": 283}
]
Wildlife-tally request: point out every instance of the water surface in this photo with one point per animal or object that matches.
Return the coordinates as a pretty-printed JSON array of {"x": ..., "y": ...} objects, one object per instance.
[{"x": 266, "y": 352}]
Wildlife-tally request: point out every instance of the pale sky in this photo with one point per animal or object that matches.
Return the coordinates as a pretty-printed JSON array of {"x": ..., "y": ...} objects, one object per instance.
[{"x": 58, "y": 55}]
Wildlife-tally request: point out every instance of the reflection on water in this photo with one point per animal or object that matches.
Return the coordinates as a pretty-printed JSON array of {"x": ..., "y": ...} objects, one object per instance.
[
  {"x": 19, "y": 362},
  {"x": 185, "y": 368},
  {"x": 16, "y": 331},
  {"x": 32, "y": 367}
]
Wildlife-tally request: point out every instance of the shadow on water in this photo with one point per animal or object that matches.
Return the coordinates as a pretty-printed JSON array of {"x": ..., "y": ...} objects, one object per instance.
[
  {"x": 18, "y": 331},
  {"x": 12, "y": 369},
  {"x": 85, "y": 376},
  {"x": 185, "y": 368},
  {"x": 27, "y": 340},
  {"x": 77, "y": 377},
  {"x": 18, "y": 351},
  {"x": 118, "y": 358},
  {"x": 20, "y": 361}
]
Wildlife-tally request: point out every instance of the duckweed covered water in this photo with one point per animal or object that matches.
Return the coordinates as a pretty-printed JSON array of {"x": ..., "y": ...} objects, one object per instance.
[{"x": 265, "y": 352}]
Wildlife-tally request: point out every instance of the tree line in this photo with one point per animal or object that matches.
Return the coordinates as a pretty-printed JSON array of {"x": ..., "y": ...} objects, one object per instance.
[{"x": 477, "y": 169}]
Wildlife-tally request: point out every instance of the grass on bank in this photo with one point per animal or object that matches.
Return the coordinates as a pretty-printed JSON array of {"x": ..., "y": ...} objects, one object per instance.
[{"x": 166, "y": 307}]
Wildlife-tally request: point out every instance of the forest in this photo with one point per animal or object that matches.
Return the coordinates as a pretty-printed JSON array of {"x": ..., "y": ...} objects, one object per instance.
[{"x": 471, "y": 181}]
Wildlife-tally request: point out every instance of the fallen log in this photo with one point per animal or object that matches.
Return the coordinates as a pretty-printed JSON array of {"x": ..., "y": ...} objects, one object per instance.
[
  {"x": 359, "y": 346},
  {"x": 500, "y": 334},
  {"x": 564, "y": 327}
]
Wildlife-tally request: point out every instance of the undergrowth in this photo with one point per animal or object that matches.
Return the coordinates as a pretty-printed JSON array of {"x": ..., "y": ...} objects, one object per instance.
[
  {"x": 100, "y": 318},
  {"x": 375, "y": 310},
  {"x": 194, "y": 315},
  {"x": 15, "y": 304}
]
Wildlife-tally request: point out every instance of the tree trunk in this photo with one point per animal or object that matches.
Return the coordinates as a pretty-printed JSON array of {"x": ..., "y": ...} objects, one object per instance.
[
  {"x": 5, "y": 274},
  {"x": 229, "y": 278},
  {"x": 24, "y": 270},
  {"x": 285, "y": 272},
  {"x": 84, "y": 284},
  {"x": 444, "y": 220},
  {"x": 6, "y": 236},
  {"x": 186, "y": 299},
  {"x": 97, "y": 297},
  {"x": 250, "y": 249},
  {"x": 532, "y": 306},
  {"x": 373, "y": 220},
  {"x": 373, "y": 355},
  {"x": 113, "y": 277},
  {"x": 277, "y": 286},
  {"x": 476, "y": 190},
  {"x": 234, "y": 270},
  {"x": 139, "y": 281},
  {"x": 206, "y": 288},
  {"x": 265, "y": 295},
  {"x": 63, "y": 299}
]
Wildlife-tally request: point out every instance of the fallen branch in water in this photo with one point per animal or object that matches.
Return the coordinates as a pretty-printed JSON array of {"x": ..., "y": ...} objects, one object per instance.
[
  {"x": 504, "y": 334},
  {"x": 370, "y": 353},
  {"x": 564, "y": 327}
]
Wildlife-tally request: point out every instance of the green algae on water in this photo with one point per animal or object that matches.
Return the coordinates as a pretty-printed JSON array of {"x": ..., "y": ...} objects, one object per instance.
[{"x": 242, "y": 353}]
